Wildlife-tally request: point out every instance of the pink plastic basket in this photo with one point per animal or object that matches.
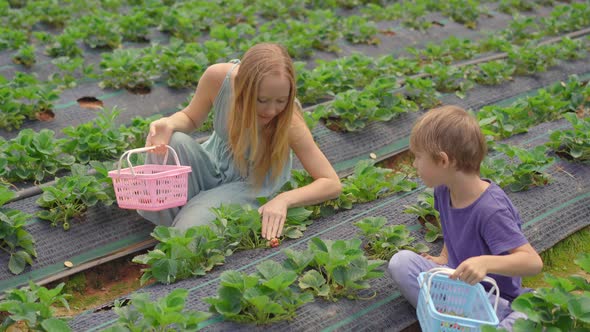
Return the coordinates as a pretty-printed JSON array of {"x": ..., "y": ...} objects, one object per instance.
[{"x": 150, "y": 187}]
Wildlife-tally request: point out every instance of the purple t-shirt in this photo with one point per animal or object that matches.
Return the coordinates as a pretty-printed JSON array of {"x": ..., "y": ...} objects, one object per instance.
[{"x": 489, "y": 226}]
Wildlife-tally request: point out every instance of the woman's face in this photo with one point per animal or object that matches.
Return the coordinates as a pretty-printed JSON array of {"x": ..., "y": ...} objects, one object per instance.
[{"x": 273, "y": 95}]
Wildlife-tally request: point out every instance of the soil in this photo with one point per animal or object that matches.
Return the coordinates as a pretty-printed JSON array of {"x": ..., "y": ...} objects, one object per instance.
[
  {"x": 97, "y": 288},
  {"x": 90, "y": 102},
  {"x": 401, "y": 162}
]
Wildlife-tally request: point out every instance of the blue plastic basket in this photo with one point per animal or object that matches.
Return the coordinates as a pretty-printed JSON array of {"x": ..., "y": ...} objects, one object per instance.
[{"x": 452, "y": 305}]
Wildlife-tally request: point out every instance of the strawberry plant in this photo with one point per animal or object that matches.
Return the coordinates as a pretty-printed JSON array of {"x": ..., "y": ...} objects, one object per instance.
[
  {"x": 12, "y": 39},
  {"x": 265, "y": 296},
  {"x": 35, "y": 156},
  {"x": 492, "y": 73},
  {"x": 240, "y": 225},
  {"x": 519, "y": 175},
  {"x": 135, "y": 26},
  {"x": 415, "y": 17},
  {"x": 449, "y": 78},
  {"x": 65, "y": 44},
  {"x": 72, "y": 195},
  {"x": 333, "y": 269},
  {"x": 572, "y": 143},
  {"x": 32, "y": 307},
  {"x": 465, "y": 12},
  {"x": 422, "y": 91},
  {"x": 134, "y": 69},
  {"x": 521, "y": 30},
  {"x": 136, "y": 131},
  {"x": 181, "y": 23},
  {"x": 14, "y": 238},
  {"x": 529, "y": 59},
  {"x": 349, "y": 111},
  {"x": 99, "y": 30},
  {"x": 25, "y": 56},
  {"x": 181, "y": 254},
  {"x": 274, "y": 9},
  {"x": 566, "y": 18},
  {"x": 164, "y": 314},
  {"x": 99, "y": 139},
  {"x": 571, "y": 49},
  {"x": 358, "y": 30},
  {"x": 234, "y": 36},
  {"x": 184, "y": 63},
  {"x": 384, "y": 12},
  {"x": 71, "y": 70},
  {"x": 564, "y": 306},
  {"x": 428, "y": 216},
  {"x": 547, "y": 105},
  {"x": 369, "y": 182},
  {"x": 300, "y": 178},
  {"x": 50, "y": 12},
  {"x": 515, "y": 6},
  {"x": 390, "y": 104},
  {"x": 382, "y": 242}
]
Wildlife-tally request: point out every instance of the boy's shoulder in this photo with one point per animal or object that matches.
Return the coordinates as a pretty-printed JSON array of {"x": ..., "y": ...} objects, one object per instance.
[{"x": 492, "y": 199}]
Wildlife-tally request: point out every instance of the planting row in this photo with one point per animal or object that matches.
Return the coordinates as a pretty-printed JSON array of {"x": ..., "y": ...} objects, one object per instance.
[
  {"x": 326, "y": 269},
  {"x": 316, "y": 23},
  {"x": 72, "y": 195},
  {"x": 35, "y": 156},
  {"x": 180, "y": 64}
]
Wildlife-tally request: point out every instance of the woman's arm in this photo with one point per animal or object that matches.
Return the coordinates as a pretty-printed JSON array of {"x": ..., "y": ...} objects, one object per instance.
[
  {"x": 326, "y": 184},
  {"x": 192, "y": 116}
]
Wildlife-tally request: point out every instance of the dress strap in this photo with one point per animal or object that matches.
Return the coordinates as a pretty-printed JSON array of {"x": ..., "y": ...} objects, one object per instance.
[{"x": 236, "y": 62}]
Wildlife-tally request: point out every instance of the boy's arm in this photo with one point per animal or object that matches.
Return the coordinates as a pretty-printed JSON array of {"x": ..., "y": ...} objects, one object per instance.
[
  {"x": 441, "y": 259},
  {"x": 521, "y": 261}
]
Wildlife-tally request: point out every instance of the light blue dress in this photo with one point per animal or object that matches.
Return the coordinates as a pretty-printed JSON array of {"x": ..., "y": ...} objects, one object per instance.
[{"x": 215, "y": 178}]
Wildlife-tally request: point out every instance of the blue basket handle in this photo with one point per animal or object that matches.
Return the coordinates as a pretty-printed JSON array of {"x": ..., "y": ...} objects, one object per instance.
[
  {"x": 145, "y": 149},
  {"x": 448, "y": 271}
]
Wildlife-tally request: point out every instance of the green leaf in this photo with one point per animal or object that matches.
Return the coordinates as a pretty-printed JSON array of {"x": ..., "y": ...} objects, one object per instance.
[
  {"x": 579, "y": 307},
  {"x": 55, "y": 325},
  {"x": 17, "y": 262}
]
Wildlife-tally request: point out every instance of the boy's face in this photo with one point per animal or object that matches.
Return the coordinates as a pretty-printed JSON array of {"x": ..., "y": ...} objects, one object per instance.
[{"x": 429, "y": 170}]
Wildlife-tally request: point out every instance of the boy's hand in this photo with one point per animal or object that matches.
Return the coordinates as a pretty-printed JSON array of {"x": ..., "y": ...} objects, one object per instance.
[
  {"x": 471, "y": 271},
  {"x": 440, "y": 260}
]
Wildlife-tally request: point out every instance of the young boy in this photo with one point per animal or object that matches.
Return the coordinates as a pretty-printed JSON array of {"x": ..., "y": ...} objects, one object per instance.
[{"x": 481, "y": 227}]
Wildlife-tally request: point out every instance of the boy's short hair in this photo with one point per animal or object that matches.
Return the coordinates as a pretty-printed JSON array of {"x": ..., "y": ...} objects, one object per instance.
[{"x": 450, "y": 129}]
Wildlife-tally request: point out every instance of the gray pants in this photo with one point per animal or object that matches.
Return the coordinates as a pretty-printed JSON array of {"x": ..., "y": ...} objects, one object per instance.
[
  {"x": 405, "y": 266},
  {"x": 207, "y": 186}
]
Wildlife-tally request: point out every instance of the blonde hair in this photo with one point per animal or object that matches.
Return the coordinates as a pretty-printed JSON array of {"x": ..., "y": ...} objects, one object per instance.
[
  {"x": 450, "y": 129},
  {"x": 269, "y": 151}
]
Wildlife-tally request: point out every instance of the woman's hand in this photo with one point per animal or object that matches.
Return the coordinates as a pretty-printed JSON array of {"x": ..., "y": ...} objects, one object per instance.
[
  {"x": 273, "y": 214},
  {"x": 159, "y": 135}
]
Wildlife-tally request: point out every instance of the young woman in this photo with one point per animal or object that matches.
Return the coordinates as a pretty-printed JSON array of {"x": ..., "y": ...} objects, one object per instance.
[{"x": 258, "y": 123}]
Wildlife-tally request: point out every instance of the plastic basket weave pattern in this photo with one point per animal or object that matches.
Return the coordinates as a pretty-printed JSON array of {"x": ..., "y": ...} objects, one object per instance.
[
  {"x": 150, "y": 187},
  {"x": 452, "y": 305}
]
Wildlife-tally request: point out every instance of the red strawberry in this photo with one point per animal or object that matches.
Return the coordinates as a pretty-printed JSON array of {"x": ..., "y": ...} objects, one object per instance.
[{"x": 274, "y": 242}]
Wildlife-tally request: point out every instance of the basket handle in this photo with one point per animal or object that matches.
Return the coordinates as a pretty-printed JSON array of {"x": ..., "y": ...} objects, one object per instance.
[
  {"x": 448, "y": 271},
  {"x": 145, "y": 149}
]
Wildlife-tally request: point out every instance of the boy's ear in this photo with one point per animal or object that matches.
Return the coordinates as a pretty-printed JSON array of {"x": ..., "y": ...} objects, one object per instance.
[{"x": 443, "y": 159}]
